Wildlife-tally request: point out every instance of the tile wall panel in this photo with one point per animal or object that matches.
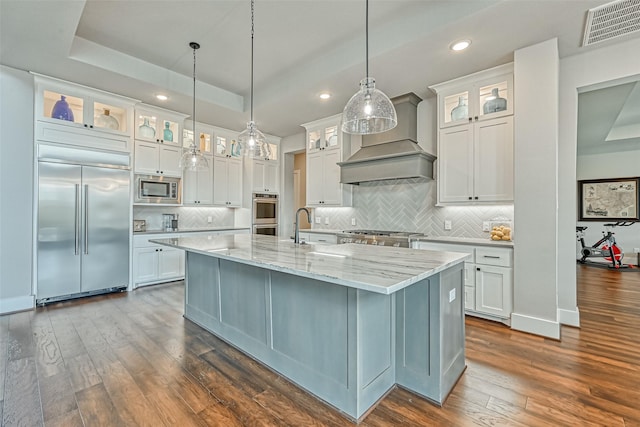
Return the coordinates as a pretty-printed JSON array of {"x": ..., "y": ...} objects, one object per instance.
[
  {"x": 409, "y": 205},
  {"x": 188, "y": 217}
]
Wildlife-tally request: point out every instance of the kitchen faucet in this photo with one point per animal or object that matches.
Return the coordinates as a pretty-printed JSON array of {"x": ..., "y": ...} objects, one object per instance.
[{"x": 296, "y": 236}]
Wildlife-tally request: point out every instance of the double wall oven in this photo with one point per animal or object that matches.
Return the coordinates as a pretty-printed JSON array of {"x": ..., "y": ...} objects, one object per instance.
[{"x": 265, "y": 214}]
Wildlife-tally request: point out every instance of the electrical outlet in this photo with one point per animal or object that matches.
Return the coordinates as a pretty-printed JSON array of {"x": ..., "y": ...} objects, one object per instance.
[
  {"x": 636, "y": 250},
  {"x": 209, "y": 219},
  {"x": 447, "y": 224},
  {"x": 353, "y": 221},
  {"x": 452, "y": 295},
  {"x": 486, "y": 226},
  {"x": 326, "y": 220},
  {"x": 318, "y": 220}
]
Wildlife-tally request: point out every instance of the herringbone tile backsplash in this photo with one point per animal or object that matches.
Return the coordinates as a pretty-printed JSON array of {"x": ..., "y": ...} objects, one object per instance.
[
  {"x": 188, "y": 217},
  {"x": 409, "y": 205}
]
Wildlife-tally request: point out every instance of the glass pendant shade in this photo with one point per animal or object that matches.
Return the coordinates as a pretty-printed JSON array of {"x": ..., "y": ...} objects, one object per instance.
[
  {"x": 368, "y": 111},
  {"x": 253, "y": 143},
  {"x": 193, "y": 160}
]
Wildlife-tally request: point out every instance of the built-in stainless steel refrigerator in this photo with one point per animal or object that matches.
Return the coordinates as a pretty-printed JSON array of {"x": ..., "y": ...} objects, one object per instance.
[{"x": 83, "y": 224}]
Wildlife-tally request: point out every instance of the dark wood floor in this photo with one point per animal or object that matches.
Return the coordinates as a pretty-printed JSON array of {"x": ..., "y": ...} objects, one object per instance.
[{"x": 131, "y": 359}]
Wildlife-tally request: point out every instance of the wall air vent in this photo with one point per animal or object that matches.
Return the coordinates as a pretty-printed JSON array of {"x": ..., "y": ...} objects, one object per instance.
[{"x": 611, "y": 20}]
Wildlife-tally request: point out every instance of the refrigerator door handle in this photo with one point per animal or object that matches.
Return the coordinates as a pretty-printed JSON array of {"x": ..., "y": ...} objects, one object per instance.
[
  {"x": 76, "y": 224},
  {"x": 86, "y": 219}
]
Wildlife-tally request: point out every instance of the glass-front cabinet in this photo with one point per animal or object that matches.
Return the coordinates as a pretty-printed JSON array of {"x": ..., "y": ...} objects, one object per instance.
[
  {"x": 158, "y": 125},
  {"x": 74, "y": 105},
  {"x": 324, "y": 137},
  {"x": 205, "y": 139},
  {"x": 68, "y": 113},
  {"x": 480, "y": 96},
  {"x": 225, "y": 143}
]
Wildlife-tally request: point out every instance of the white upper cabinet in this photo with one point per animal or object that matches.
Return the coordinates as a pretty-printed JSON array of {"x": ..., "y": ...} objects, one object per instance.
[
  {"x": 157, "y": 159},
  {"x": 205, "y": 139},
  {"x": 326, "y": 147},
  {"x": 158, "y": 125},
  {"x": 198, "y": 185},
  {"x": 227, "y": 182},
  {"x": 74, "y": 114},
  {"x": 480, "y": 96},
  {"x": 476, "y": 138}
]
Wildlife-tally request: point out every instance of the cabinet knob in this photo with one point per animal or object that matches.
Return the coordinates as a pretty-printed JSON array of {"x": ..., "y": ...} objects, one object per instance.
[
  {"x": 470, "y": 119},
  {"x": 476, "y": 118},
  {"x": 160, "y": 250},
  {"x": 478, "y": 268},
  {"x": 470, "y": 198},
  {"x": 157, "y": 171},
  {"x": 91, "y": 126},
  {"x": 156, "y": 250},
  {"x": 476, "y": 197}
]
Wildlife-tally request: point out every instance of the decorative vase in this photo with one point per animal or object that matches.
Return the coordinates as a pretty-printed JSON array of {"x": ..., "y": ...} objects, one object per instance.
[
  {"x": 146, "y": 130},
  {"x": 168, "y": 133},
  {"x": 107, "y": 121},
  {"x": 495, "y": 103},
  {"x": 61, "y": 110},
  {"x": 461, "y": 111}
]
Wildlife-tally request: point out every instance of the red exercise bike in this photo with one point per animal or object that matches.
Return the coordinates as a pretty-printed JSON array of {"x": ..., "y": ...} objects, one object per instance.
[{"x": 606, "y": 247}]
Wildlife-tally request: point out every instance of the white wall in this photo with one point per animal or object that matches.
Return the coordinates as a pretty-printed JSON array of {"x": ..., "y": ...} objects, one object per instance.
[
  {"x": 535, "y": 204},
  {"x": 576, "y": 72},
  {"x": 16, "y": 190}
]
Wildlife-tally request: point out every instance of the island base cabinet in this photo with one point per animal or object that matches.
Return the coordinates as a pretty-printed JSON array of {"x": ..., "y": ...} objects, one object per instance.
[
  {"x": 429, "y": 361},
  {"x": 337, "y": 342}
]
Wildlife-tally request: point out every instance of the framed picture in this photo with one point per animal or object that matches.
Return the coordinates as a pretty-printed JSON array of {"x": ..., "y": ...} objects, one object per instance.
[{"x": 609, "y": 199}]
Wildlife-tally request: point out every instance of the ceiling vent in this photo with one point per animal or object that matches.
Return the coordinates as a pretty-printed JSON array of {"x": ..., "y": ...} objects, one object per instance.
[{"x": 611, "y": 20}]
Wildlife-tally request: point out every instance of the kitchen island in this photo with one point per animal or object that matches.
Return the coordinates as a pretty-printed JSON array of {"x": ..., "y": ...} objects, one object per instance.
[{"x": 345, "y": 322}]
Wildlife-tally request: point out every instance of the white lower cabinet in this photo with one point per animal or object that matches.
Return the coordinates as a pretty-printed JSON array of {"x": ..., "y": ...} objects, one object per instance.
[
  {"x": 155, "y": 263},
  {"x": 488, "y": 287},
  {"x": 318, "y": 238}
]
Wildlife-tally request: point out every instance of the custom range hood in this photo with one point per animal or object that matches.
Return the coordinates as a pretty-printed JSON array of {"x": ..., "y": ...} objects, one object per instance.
[{"x": 393, "y": 154}]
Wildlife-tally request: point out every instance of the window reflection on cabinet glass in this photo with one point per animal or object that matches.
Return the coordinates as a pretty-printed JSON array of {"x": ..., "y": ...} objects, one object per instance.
[{"x": 331, "y": 136}]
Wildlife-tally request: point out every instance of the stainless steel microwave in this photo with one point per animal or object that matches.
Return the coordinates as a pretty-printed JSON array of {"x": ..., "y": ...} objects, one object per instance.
[{"x": 157, "y": 190}]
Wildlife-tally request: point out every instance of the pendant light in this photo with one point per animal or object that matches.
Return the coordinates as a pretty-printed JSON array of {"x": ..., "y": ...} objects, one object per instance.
[
  {"x": 369, "y": 110},
  {"x": 252, "y": 142},
  {"x": 193, "y": 159}
]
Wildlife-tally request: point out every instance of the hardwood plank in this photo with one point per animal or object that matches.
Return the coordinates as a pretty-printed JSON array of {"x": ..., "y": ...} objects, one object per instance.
[
  {"x": 58, "y": 397},
  {"x": 70, "y": 419},
  {"x": 127, "y": 397},
  {"x": 47, "y": 351},
  {"x": 82, "y": 372},
  {"x": 22, "y": 405},
  {"x": 96, "y": 407}
]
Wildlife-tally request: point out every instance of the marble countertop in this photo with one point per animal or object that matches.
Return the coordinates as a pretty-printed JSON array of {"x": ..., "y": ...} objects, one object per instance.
[
  {"x": 191, "y": 230},
  {"x": 383, "y": 270},
  {"x": 464, "y": 241}
]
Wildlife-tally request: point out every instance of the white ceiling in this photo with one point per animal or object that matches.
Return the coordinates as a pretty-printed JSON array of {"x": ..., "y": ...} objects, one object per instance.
[
  {"x": 302, "y": 47},
  {"x": 609, "y": 119}
]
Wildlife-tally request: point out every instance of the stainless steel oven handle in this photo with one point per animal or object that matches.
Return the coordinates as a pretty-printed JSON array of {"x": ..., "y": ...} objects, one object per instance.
[
  {"x": 76, "y": 224},
  {"x": 86, "y": 219}
]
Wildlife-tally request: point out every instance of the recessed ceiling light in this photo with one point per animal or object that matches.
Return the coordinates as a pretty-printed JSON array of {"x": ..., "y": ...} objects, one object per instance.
[
  {"x": 325, "y": 95},
  {"x": 460, "y": 45},
  {"x": 162, "y": 97}
]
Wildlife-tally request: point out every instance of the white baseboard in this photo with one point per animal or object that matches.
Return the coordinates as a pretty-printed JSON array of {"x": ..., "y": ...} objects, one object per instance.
[
  {"x": 569, "y": 317},
  {"x": 535, "y": 325},
  {"x": 11, "y": 305}
]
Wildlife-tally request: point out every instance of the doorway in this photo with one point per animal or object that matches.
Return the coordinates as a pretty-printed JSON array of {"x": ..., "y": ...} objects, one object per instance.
[{"x": 300, "y": 187}]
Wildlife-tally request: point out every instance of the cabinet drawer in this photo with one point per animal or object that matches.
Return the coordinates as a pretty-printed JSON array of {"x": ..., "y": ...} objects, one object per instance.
[
  {"x": 328, "y": 239},
  {"x": 494, "y": 256}
]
